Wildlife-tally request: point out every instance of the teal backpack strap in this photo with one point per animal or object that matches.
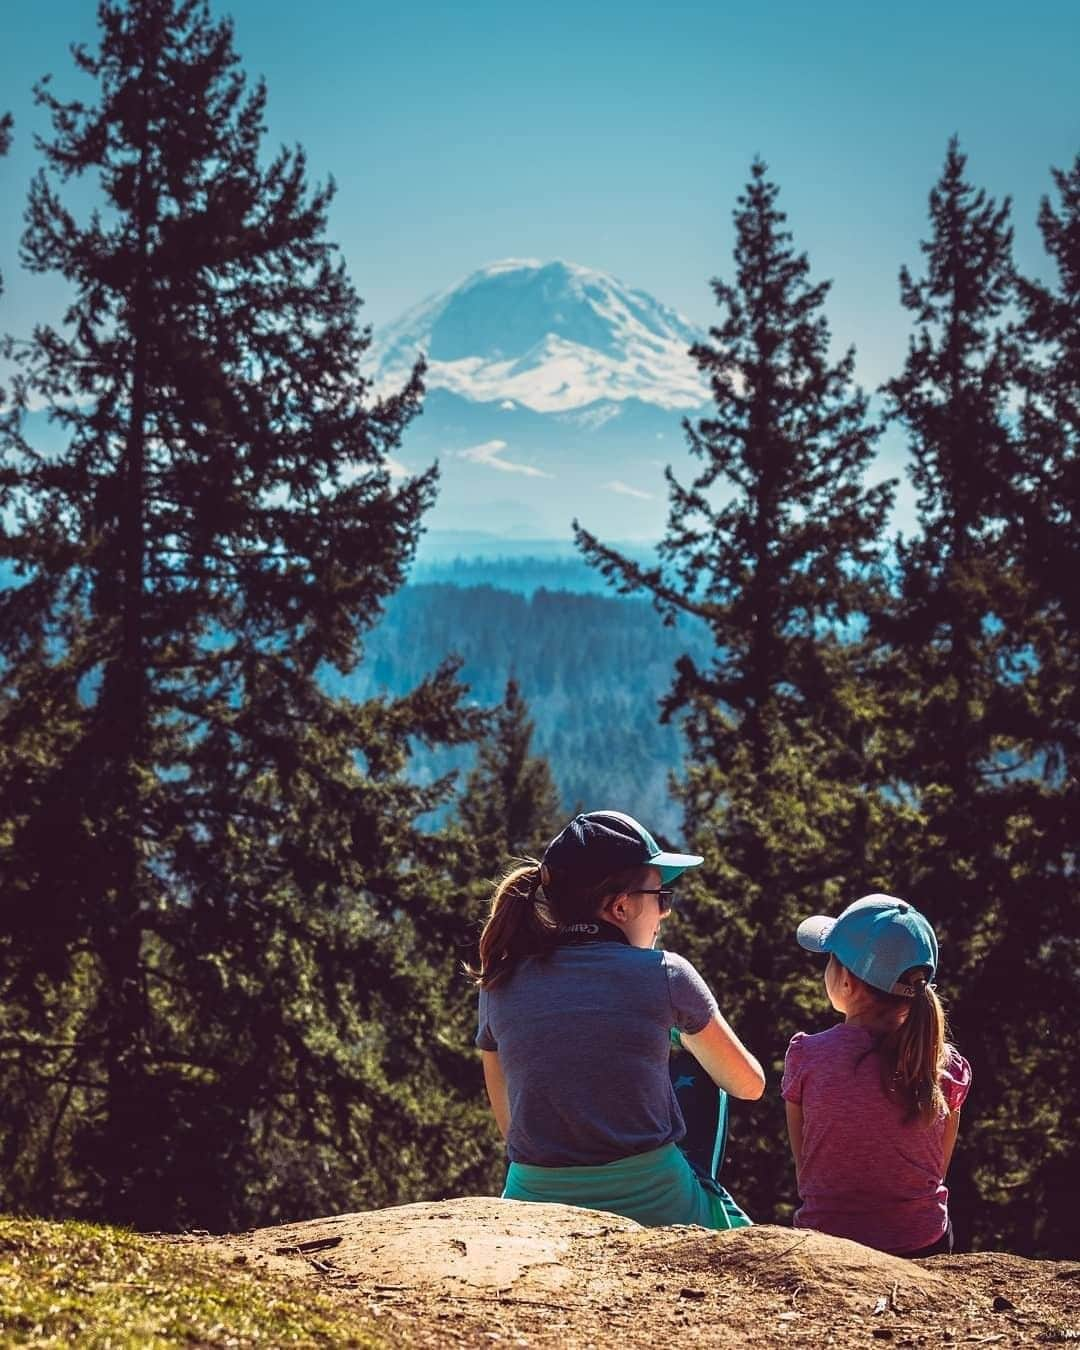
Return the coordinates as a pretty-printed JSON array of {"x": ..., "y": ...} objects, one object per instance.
[{"x": 704, "y": 1108}]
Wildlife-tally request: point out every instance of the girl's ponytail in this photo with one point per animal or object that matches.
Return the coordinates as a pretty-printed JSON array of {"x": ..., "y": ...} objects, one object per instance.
[
  {"x": 913, "y": 1055},
  {"x": 520, "y": 924}
]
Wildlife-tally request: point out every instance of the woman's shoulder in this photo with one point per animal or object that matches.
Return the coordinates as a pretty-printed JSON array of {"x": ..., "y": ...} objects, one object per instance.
[
  {"x": 681, "y": 972},
  {"x": 672, "y": 961}
]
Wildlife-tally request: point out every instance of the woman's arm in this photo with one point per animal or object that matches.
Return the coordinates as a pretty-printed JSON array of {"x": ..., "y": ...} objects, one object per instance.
[
  {"x": 726, "y": 1060},
  {"x": 496, "y": 1090},
  {"x": 794, "y": 1130},
  {"x": 952, "y": 1127}
]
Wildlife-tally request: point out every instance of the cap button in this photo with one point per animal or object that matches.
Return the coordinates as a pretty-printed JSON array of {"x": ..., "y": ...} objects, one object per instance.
[{"x": 902, "y": 906}]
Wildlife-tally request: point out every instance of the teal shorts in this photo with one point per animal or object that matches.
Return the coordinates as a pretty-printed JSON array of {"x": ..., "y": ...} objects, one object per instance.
[{"x": 655, "y": 1188}]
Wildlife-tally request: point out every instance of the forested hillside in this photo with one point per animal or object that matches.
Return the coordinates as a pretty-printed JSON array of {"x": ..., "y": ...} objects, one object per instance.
[
  {"x": 522, "y": 573},
  {"x": 591, "y": 669}
]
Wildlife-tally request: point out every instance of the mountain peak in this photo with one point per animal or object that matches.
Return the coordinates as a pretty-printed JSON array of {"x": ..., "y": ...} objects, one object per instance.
[{"x": 551, "y": 336}]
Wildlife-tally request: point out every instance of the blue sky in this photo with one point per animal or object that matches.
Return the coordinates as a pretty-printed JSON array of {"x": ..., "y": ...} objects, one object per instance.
[{"x": 619, "y": 135}]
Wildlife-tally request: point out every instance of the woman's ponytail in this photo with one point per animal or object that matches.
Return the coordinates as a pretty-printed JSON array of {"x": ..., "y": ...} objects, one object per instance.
[
  {"x": 913, "y": 1055},
  {"x": 519, "y": 924}
]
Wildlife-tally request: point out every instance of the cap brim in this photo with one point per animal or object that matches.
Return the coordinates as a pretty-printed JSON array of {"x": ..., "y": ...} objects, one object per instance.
[
  {"x": 813, "y": 934},
  {"x": 672, "y": 865}
]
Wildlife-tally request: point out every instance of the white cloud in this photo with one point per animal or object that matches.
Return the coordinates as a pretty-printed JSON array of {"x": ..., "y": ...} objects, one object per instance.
[
  {"x": 488, "y": 453},
  {"x": 625, "y": 490},
  {"x": 508, "y": 405},
  {"x": 351, "y": 472},
  {"x": 594, "y": 416},
  {"x": 395, "y": 468}
]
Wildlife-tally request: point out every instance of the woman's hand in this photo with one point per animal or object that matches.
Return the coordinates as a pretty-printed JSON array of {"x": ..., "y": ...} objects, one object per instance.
[{"x": 726, "y": 1060}]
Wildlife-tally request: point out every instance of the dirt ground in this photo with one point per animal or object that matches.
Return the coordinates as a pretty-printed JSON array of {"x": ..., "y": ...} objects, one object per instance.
[{"x": 482, "y": 1272}]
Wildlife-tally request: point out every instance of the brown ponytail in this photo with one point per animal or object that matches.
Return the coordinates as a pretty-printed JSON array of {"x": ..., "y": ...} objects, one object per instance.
[
  {"x": 913, "y": 1056},
  {"x": 519, "y": 924},
  {"x": 527, "y": 907}
]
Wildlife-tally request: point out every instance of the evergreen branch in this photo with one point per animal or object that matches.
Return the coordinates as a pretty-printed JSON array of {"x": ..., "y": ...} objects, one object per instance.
[{"x": 630, "y": 577}]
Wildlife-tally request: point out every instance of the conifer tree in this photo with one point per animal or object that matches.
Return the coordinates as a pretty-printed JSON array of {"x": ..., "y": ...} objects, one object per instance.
[
  {"x": 215, "y": 1004},
  {"x": 773, "y": 545},
  {"x": 959, "y": 641},
  {"x": 952, "y": 400},
  {"x": 1048, "y": 538},
  {"x": 510, "y": 806},
  {"x": 5, "y": 146},
  {"x": 1045, "y": 546}
]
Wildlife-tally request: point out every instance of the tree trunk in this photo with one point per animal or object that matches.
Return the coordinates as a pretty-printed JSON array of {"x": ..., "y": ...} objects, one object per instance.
[{"x": 126, "y": 714}]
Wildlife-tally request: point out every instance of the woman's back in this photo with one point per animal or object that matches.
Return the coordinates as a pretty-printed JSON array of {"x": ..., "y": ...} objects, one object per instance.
[
  {"x": 583, "y": 1041},
  {"x": 576, "y": 1010}
]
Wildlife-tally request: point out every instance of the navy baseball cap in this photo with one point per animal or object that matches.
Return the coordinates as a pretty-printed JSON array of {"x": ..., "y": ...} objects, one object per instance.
[
  {"x": 596, "y": 844},
  {"x": 877, "y": 938}
]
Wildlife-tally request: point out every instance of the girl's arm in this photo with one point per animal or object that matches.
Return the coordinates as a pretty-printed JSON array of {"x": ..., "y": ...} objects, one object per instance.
[
  {"x": 726, "y": 1060},
  {"x": 794, "y": 1130},
  {"x": 952, "y": 1126},
  {"x": 496, "y": 1090}
]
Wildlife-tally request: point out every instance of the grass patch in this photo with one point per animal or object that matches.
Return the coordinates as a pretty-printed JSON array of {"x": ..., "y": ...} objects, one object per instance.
[{"x": 100, "y": 1288}]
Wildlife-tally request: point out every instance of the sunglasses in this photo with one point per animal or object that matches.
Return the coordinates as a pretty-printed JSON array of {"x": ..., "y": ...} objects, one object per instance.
[{"x": 665, "y": 896}]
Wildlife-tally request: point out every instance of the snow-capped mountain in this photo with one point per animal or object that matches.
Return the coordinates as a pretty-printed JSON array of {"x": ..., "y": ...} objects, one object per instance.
[
  {"x": 553, "y": 337},
  {"x": 554, "y": 391}
]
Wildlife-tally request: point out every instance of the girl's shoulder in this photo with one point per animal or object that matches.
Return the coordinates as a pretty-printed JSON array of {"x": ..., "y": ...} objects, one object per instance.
[
  {"x": 813, "y": 1055},
  {"x": 807, "y": 1046},
  {"x": 841, "y": 1033},
  {"x": 955, "y": 1078}
]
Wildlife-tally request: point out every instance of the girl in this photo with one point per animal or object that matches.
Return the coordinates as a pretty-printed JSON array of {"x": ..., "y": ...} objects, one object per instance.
[
  {"x": 575, "y": 1014},
  {"x": 873, "y": 1105}
]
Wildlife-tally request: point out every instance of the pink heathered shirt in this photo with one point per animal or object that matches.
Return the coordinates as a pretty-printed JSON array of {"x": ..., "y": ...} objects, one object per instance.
[{"x": 865, "y": 1173}]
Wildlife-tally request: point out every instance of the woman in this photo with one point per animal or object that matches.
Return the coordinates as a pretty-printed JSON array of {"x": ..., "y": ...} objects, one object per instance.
[{"x": 576, "y": 1010}]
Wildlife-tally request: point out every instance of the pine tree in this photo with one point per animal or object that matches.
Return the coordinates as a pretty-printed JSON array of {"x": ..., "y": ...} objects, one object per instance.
[
  {"x": 510, "y": 806},
  {"x": 1045, "y": 545},
  {"x": 773, "y": 545},
  {"x": 1048, "y": 538},
  {"x": 216, "y": 1007},
  {"x": 952, "y": 400},
  {"x": 5, "y": 146},
  {"x": 959, "y": 639}
]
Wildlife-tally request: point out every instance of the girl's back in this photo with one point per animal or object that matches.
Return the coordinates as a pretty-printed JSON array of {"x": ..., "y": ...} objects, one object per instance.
[
  {"x": 865, "y": 1172},
  {"x": 873, "y": 1106}
]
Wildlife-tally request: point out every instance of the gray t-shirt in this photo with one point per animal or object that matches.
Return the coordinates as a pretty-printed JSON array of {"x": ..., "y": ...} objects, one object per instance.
[{"x": 583, "y": 1037}]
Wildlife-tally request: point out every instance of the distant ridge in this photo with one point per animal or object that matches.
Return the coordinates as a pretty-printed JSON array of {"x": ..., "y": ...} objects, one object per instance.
[{"x": 473, "y": 558}]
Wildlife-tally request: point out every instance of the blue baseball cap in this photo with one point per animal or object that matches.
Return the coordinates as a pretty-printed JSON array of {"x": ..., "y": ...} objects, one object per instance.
[
  {"x": 598, "y": 843},
  {"x": 877, "y": 938}
]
